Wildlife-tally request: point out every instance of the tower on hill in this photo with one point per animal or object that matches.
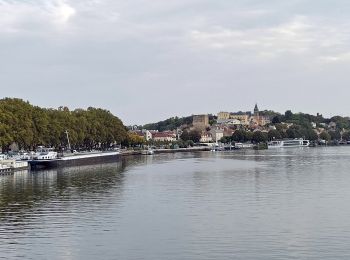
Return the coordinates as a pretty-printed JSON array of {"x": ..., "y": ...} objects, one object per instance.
[
  {"x": 200, "y": 122},
  {"x": 256, "y": 110}
]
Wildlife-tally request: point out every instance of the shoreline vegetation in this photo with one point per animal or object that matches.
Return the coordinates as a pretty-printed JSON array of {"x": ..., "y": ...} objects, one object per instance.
[
  {"x": 29, "y": 126},
  {"x": 24, "y": 127}
]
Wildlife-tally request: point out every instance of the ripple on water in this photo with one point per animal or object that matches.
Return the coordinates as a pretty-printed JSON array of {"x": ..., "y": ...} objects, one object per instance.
[{"x": 282, "y": 204}]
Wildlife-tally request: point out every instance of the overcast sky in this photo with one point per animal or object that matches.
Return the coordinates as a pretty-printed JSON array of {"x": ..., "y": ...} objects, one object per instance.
[{"x": 150, "y": 60}]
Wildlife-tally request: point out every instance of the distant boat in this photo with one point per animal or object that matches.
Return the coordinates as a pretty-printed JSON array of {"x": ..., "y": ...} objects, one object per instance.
[
  {"x": 288, "y": 143},
  {"x": 147, "y": 152}
]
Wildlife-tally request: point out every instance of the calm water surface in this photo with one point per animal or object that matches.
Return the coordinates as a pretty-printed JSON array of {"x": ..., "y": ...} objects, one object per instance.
[{"x": 284, "y": 204}]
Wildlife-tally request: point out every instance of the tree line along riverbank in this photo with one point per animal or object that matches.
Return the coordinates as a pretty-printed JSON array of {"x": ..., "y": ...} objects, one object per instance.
[{"x": 29, "y": 126}]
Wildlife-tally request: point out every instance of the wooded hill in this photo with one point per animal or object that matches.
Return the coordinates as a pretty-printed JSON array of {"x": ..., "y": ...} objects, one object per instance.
[{"x": 30, "y": 126}]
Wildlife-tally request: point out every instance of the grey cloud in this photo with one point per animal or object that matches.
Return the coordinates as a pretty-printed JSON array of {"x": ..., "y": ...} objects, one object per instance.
[{"x": 148, "y": 60}]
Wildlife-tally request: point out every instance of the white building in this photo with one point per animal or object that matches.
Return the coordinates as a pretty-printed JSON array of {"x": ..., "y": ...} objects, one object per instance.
[
  {"x": 217, "y": 134},
  {"x": 206, "y": 137},
  {"x": 147, "y": 134},
  {"x": 164, "y": 137}
]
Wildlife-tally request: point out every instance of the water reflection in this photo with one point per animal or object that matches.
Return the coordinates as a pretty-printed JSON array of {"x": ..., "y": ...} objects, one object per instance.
[
  {"x": 241, "y": 205},
  {"x": 23, "y": 191}
]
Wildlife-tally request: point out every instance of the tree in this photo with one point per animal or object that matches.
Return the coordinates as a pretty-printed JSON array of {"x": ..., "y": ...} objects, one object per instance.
[
  {"x": 346, "y": 136},
  {"x": 259, "y": 137},
  {"x": 274, "y": 134},
  {"x": 325, "y": 136},
  {"x": 335, "y": 135},
  {"x": 288, "y": 115},
  {"x": 341, "y": 122},
  {"x": 30, "y": 126},
  {"x": 134, "y": 139},
  {"x": 248, "y": 136},
  {"x": 195, "y": 136},
  {"x": 185, "y": 136},
  {"x": 276, "y": 120},
  {"x": 171, "y": 123},
  {"x": 225, "y": 140},
  {"x": 238, "y": 136},
  {"x": 312, "y": 135}
]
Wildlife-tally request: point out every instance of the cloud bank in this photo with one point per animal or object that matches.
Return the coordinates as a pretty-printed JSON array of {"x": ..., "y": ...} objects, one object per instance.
[{"x": 148, "y": 60}]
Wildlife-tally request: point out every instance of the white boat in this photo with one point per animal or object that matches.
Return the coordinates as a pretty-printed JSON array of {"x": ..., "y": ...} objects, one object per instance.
[
  {"x": 288, "y": 143},
  {"x": 25, "y": 156},
  {"x": 43, "y": 153},
  {"x": 147, "y": 152}
]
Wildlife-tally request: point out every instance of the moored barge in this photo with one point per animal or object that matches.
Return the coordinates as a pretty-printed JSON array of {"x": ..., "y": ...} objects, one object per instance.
[{"x": 74, "y": 159}]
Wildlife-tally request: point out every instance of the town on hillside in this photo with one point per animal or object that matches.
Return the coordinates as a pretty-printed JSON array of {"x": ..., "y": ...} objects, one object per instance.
[{"x": 245, "y": 127}]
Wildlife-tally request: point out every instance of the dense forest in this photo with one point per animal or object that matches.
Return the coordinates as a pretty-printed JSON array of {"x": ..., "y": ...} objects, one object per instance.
[{"x": 29, "y": 126}]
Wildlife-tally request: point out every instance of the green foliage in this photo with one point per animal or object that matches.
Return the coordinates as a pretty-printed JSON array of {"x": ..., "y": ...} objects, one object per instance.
[
  {"x": 175, "y": 122},
  {"x": 185, "y": 136},
  {"x": 325, "y": 136},
  {"x": 238, "y": 136},
  {"x": 242, "y": 136},
  {"x": 274, "y": 134},
  {"x": 335, "y": 135},
  {"x": 133, "y": 139},
  {"x": 269, "y": 113},
  {"x": 248, "y": 136},
  {"x": 276, "y": 120},
  {"x": 288, "y": 115},
  {"x": 259, "y": 137},
  {"x": 30, "y": 126},
  {"x": 346, "y": 136},
  {"x": 169, "y": 124},
  {"x": 342, "y": 123},
  {"x": 193, "y": 135},
  {"x": 312, "y": 135},
  {"x": 225, "y": 140}
]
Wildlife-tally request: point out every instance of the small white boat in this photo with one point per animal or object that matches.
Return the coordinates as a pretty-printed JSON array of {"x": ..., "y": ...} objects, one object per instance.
[
  {"x": 147, "y": 152},
  {"x": 43, "y": 153},
  {"x": 288, "y": 143}
]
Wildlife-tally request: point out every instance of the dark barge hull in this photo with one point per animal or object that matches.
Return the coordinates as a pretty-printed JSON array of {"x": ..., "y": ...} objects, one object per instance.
[{"x": 57, "y": 163}]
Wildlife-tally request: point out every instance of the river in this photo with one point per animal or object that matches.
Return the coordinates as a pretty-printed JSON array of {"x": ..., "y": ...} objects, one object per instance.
[{"x": 273, "y": 204}]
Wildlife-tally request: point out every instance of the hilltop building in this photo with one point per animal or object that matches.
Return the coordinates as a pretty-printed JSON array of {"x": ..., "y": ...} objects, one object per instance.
[
  {"x": 200, "y": 122},
  {"x": 257, "y": 119},
  {"x": 243, "y": 118},
  {"x": 233, "y": 118}
]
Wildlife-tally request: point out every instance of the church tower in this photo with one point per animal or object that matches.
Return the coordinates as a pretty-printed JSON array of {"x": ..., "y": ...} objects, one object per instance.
[{"x": 256, "y": 111}]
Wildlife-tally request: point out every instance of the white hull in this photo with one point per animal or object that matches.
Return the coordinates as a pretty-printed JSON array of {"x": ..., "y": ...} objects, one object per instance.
[
  {"x": 88, "y": 155},
  {"x": 295, "y": 143}
]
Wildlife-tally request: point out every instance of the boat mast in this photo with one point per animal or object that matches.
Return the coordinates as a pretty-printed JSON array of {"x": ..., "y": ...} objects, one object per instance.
[{"x": 68, "y": 140}]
